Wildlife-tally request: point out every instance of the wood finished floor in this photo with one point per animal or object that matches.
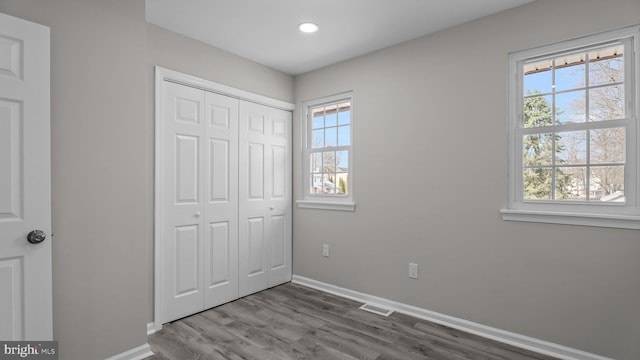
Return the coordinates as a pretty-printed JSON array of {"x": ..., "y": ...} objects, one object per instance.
[{"x": 295, "y": 322}]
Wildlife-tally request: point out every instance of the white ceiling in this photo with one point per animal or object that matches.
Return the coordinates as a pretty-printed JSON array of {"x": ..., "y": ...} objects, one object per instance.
[{"x": 266, "y": 32}]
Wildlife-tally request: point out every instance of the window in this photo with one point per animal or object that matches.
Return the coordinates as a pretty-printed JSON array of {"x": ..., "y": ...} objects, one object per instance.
[
  {"x": 328, "y": 180},
  {"x": 573, "y": 132}
]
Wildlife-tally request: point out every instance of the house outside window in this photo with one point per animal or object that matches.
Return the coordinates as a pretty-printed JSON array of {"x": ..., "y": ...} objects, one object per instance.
[
  {"x": 328, "y": 154},
  {"x": 573, "y": 132}
]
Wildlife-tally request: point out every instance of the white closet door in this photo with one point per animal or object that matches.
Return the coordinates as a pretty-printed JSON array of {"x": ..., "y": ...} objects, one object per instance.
[
  {"x": 265, "y": 187},
  {"x": 279, "y": 198},
  {"x": 221, "y": 193},
  {"x": 224, "y": 199},
  {"x": 183, "y": 232}
]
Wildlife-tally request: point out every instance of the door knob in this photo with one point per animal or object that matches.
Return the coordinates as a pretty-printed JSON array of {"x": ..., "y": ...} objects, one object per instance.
[
  {"x": 36, "y": 236},
  {"x": 197, "y": 214}
]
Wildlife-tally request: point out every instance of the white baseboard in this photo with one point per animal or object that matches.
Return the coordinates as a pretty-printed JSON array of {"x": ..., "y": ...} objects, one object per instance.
[
  {"x": 507, "y": 337},
  {"x": 138, "y": 353},
  {"x": 151, "y": 328}
]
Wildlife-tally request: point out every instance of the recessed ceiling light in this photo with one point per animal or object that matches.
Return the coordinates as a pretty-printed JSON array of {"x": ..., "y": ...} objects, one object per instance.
[{"x": 308, "y": 27}]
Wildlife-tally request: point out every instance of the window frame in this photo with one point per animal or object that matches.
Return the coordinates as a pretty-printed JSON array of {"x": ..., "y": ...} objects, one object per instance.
[
  {"x": 321, "y": 201},
  {"x": 615, "y": 215}
]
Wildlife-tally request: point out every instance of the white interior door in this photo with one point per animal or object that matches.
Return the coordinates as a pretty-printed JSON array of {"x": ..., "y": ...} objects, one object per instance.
[
  {"x": 25, "y": 185},
  {"x": 265, "y": 188}
]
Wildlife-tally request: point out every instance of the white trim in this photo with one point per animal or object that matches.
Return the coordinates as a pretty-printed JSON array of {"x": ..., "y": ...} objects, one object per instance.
[
  {"x": 162, "y": 75},
  {"x": 151, "y": 328},
  {"x": 625, "y": 216},
  {"x": 158, "y": 304},
  {"x": 347, "y": 95},
  {"x": 138, "y": 353},
  {"x": 584, "y": 219},
  {"x": 503, "y": 336},
  {"x": 198, "y": 83},
  {"x": 318, "y": 201},
  {"x": 580, "y": 42},
  {"x": 326, "y": 205}
]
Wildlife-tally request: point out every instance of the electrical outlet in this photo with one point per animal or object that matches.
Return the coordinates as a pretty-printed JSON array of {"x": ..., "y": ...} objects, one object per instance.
[
  {"x": 325, "y": 250},
  {"x": 413, "y": 271}
]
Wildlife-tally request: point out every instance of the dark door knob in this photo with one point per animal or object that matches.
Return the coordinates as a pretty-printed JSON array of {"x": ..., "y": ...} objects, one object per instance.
[{"x": 36, "y": 236}]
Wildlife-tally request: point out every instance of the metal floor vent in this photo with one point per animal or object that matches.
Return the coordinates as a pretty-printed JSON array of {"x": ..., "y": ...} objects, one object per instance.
[{"x": 376, "y": 309}]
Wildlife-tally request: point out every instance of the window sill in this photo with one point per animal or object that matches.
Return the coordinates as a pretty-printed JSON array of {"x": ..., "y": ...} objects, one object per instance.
[
  {"x": 568, "y": 218},
  {"x": 326, "y": 205}
]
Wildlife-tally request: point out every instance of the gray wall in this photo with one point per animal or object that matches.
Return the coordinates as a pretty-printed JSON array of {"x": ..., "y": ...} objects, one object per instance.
[
  {"x": 176, "y": 52},
  {"x": 430, "y": 178},
  {"x": 576, "y": 286},
  {"x": 102, "y": 160},
  {"x": 99, "y": 182}
]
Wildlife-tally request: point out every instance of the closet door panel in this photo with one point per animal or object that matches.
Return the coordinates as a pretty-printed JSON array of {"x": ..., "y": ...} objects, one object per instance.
[
  {"x": 225, "y": 210},
  {"x": 221, "y": 194},
  {"x": 277, "y": 243},
  {"x": 220, "y": 162},
  {"x": 183, "y": 234},
  {"x": 265, "y": 193},
  {"x": 219, "y": 253},
  {"x": 279, "y": 197},
  {"x": 255, "y": 172},
  {"x": 255, "y": 246},
  {"x": 185, "y": 250},
  {"x": 253, "y": 212},
  {"x": 186, "y": 169},
  {"x": 279, "y": 181}
]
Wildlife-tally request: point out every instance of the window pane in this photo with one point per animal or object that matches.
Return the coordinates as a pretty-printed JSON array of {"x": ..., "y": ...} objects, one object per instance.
[
  {"x": 331, "y": 136},
  {"x": 331, "y": 116},
  {"x": 606, "y": 103},
  {"x": 570, "y": 72},
  {"x": 342, "y": 182},
  {"x": 329, "y": 161},
  {"x": 537, "y": 149},
  {"x": 318, "y": 120},
  {"x": 318, "y": 139},
  {"x": 342, "y": 161},
  {"x": 537, "y": 184},
  {"x": 344, "y": 135},
  {"x": 316, "y": 184},
  {"x": 538, "y": 111},
  {"x": 570, "y": 107},
  {"x": 329, "y": 130},
  {"x": 571, "y": 183},
  {"x": 607, "y": 145},
  {"x": 607, "y": 183},
  {"x": 571, "y": 147},
  {"x": 537, "y": 78},
  {"x": 573, "y": 112},
  {"x": 606, "y": 65},
  {"x": 344, "y": 117},
  {"x": 316, "y": 162},
  {"x": 330, "y": 186}
]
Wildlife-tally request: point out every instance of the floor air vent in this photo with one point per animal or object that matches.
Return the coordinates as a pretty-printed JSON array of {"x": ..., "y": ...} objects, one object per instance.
[{"x": 376, "y": 309}]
